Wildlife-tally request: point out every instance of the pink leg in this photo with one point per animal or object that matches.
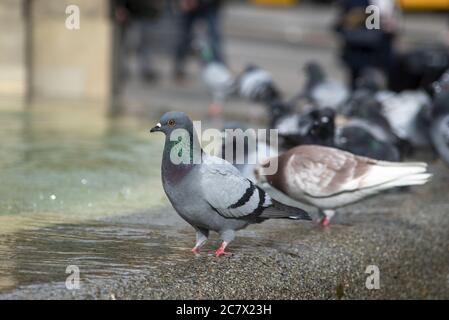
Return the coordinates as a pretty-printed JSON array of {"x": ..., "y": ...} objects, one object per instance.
[
  {"x": 328, "y": 214},
  {"x": 201, "y": 238},
  {"x": 196, "y": 249},
  {"x": 221, "y": 249},
  {"x": 325, "y": 222},
  {"x": 215, "y": 109}
]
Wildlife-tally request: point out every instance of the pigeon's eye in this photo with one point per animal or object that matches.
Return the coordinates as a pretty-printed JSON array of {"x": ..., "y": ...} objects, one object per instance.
[{"x": 171, "y": 122}]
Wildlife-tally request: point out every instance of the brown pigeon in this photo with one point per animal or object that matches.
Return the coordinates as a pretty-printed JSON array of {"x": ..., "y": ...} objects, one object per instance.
[{"x": 329, "y": 178}]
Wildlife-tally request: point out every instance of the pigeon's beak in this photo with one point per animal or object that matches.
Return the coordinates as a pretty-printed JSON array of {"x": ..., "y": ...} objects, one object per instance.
[{"x": 156, "y": 128}]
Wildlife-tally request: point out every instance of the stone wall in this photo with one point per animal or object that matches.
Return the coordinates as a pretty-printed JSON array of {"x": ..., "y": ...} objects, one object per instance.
[
  {"x": 12, "y": 49},
  {"x": 39, "y": 55},
  {"x": 71, "y": 64}
]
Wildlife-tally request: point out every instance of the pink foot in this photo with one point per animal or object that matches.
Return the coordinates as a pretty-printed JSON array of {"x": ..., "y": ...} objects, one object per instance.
[
  {"x": 215, "y": 109},
  {"x": 196, "y": 249},
  {"x": 325, "y": 222},
  {"x": 221, "y": 250}
]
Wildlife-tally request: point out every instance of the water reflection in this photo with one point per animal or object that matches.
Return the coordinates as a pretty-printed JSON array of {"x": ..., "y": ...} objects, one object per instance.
[
  {"x": 100, "y": 250},
  {"x": 70, "y": 160},
  {"x": 66, "y": 165},
  {"x": 108, "y": 253}
]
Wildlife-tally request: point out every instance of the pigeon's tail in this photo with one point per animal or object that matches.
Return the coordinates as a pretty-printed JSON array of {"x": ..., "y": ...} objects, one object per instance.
[
  {"x": 282, "y": 211},
  {"x": 385, "y": 175}
]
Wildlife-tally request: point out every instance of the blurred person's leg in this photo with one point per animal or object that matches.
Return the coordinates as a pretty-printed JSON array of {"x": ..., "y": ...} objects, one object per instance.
[
  {"x": 118, "y": 67},
  {"x": 184, "y": 41},
  {"x": 354, "y": 61},
  {"x": 354, "y": 74},
  {"x": 128, "y": 47},
  {"x": 143, "y": 52},
  {"x": 388, "y": 55},
  {"x": 212, "y": 16}
]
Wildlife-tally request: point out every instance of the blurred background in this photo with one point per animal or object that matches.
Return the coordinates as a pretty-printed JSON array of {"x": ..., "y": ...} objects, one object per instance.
[
  {"x": 129, "y": 56},
  {"x": 78, "y": 168}
]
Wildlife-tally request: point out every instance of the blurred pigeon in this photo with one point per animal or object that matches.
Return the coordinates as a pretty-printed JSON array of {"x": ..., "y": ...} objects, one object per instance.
[
  {"x": 217, "y": 77},
  {"x": 365, "y": 108},
  {"x": 406, "y": 114},
  {"x": 321, "y": 91},
  {"x": 251, "y": 154},
  {"x": 371, "y": 80},
  {"x": 364, "y": 139},
  {"x": 364, "y": 105},
  {"x": 439, "y": 133},
  {"x": 316, "y": 126},
  {"x": 439, "y": 127},
  {"x": 329, "y": 178},
  {"x": 282, "y": 116},
  {"x": 357, "y": 136},
  {"x": 209, "y": 192},
  {"x": 442, "y": 85},
  {"x": 418, "y": 67},
  {"x": 257, "y": 85},
  {"x": 220, "y": 82}
]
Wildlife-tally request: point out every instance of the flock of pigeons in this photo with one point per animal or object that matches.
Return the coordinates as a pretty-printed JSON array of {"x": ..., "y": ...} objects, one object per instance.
[
  {"x": 342, "y": 147},
  {"x": 369, "y": 121}
]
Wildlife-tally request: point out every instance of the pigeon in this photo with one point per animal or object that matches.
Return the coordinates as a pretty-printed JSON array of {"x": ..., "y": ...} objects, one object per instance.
[
  {"x": 217, "y": 77},
  {"x": 315, "y": 126},
  {"x": 439, "y": 127},
  {"x": 406, "y": 114},
  {"x": 357, "y": 136},
  {"x": 329, "y": 178},
  {"x": 220, "y": 83},
  {"x": 364, "y": 139},
  {"x": 257, "y": 85},
  {"x": 365, "y": 108},
  {"x": 209, "y": 192},
  {"x": 280, "y": 114},
  {"x": 248, "y": 158},
  {"x": 371, "y": 80},
  {"x": 364, "y": 104},
  {"x": 439, "y": 133},
  {"x": 321, "y": 91}
]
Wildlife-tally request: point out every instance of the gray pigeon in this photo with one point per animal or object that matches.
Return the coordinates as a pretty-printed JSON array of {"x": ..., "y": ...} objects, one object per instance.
[
  {"x": 329, "y": 178},
  {"x": 405, "y": 112},
  {"x": 247, "y": 161},
  {"x": 320, "y": 90},
  {"x": 257, "y": 85},
  {"x": 439, "y": 132},
  {"x": 439, "y": 118},
  {"x": 209, "y": 192}
]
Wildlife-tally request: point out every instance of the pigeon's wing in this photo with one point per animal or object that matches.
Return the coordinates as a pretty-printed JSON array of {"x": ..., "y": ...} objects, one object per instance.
[
  {"x": 401, "y": 111},
  {"x": 321, "y": 171},
  {"x": 253, "y": 81},
  {"x": 229, "y": 193}
]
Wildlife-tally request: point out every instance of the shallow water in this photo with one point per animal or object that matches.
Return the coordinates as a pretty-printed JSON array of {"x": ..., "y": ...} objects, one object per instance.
[
  {"x": 63, "y": 166},
  {"x": 101, "y": 251}
]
